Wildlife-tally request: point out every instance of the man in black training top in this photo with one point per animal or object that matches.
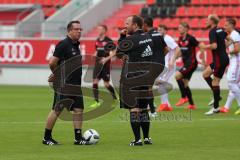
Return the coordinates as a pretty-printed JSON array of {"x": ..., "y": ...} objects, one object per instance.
[
  {"x": 220, "y": 62},
  {"x": 102, "y": 71},
  {"x": 160, "y": 49},
  {"x": 65, "y": 50},
  {"x": 140, "y": 49}
]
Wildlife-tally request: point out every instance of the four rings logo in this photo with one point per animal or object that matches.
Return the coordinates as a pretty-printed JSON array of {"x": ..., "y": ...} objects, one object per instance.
[{"x": 15, "y": 52}]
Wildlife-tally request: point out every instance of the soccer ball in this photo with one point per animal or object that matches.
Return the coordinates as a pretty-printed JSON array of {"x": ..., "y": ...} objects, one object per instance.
[{"x": 91, "y": 136}]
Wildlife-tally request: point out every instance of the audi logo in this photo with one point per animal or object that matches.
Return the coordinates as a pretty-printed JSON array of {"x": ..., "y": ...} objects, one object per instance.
[{"x": 15, "y": 52}]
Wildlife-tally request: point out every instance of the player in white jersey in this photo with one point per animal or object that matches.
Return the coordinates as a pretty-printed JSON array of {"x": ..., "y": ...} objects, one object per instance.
[
  {"x": 173, "y": 48},
  {"x": 233, "y": 73}
]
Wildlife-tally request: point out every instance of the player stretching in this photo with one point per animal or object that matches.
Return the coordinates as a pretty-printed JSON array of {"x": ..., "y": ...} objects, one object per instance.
[
  {"x": 102, "y": 72},
  {"x": 233, "y": 74},
  {"x": 188, "y": 45},
  {"x": 173, "y": 49},
  {"x": 220, "y": 60}
]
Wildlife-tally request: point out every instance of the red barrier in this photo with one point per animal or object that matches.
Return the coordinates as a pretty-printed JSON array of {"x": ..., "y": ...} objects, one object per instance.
[{"x": 37, "y": 52}]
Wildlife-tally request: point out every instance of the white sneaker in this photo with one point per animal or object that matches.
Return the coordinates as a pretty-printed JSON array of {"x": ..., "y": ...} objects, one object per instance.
[
  {"x": 136, "y": 143},
  {"x": 211, "y": 102},
  {"x": 212, "y": 111},
  {"x": 153, "y": 115}
]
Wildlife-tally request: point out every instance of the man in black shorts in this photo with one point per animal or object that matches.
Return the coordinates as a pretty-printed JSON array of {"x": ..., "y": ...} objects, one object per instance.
[
  {"x": 102, "y": 71},
  {"x": 217, "y": 68},
  {"x": 188, "y": 45},
  {"x": 141, "y": 49},
  {"x": 64, "y": 51}
]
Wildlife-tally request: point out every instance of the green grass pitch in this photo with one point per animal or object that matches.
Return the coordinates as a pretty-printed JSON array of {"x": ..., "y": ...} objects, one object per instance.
[{"x": 23, "y": 111}]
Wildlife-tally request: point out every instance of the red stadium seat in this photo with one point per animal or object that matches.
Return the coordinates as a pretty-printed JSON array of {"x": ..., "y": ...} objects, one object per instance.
[
  {"x": 170, "y": 32},
  {"x": 191, "y": 11},
  {"x": 120, "y": 23},
  {"x": 21, "y": 1},
  {"x": 200, "y": 11},
  {"x": 191, "y": 32},
  {"x": 65, "y": 2},
  {"x": 202, "y": 23},
  {"x": 209, "y": 10},
  {"x": 184, "y": 20},
  {"x": 225, "y": 2},
  {"x": 221, "y": 22},
  {"x": 173, "y": 33},
  {"x": 181, "y": 12},
  {"x": 47, "y": 2},
  {"x": 230, "y": 11},
  {"x": 214, "y": 2},
  {"x": 174, "y": 23},
  {"x": 166, "y": 21},
  {"x": 194, "y": 23},
  {"x": 49, "y": 11},
  {"x": 219, "y": 11},
  {"x": 238, "y": 25},
  {"x": 205, "y": 33},
  {"x": 237, "y": 11},
  {"x": 114, "y": 33},
  {"x": 135, "y": 10},
  {"x": 237, "y": 2},
  {"x": 205, "y": 2},
  {"x": 196, "y": 2},
  {"x": 156, "y": 22},
  {"x": 151, "y": 2},
  {"x": 198, "y": 33}
]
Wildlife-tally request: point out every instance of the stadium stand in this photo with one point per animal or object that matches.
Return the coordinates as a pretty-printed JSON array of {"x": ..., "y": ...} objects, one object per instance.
[
  {"x": 171, "y": 12},
  {"x": 116, "y": 20},
  {"x": 49, "y": 7},
  {"x": 25, "y": 17}
]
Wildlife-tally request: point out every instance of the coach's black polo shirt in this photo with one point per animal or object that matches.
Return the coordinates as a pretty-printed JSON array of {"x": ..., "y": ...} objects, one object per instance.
[
  {"x": 66, "y": 49},
  {"x": 159, "y": 45}
]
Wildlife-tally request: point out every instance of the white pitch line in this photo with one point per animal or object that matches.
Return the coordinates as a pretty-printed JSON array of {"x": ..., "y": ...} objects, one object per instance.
[{"x": 220, "y": 119}]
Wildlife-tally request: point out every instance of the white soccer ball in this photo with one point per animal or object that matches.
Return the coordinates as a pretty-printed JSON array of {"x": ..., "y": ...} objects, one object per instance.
[{"x": 91, "y": 136}]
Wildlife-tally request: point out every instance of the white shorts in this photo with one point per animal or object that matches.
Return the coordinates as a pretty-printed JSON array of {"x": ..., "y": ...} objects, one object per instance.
[
  {"x": 165, "y": 76},
  {"x": 233, "y": 73}
]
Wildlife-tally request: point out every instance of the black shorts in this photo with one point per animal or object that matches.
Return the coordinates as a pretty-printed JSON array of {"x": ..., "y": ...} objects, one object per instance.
[
  {"x": 141, "y": 103},
  {"x": 187, "y": 70},
  {"x": 69, "y": 102},
  {"x": 219, "y": 70},
  {"x": 102, "y": 72}
]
